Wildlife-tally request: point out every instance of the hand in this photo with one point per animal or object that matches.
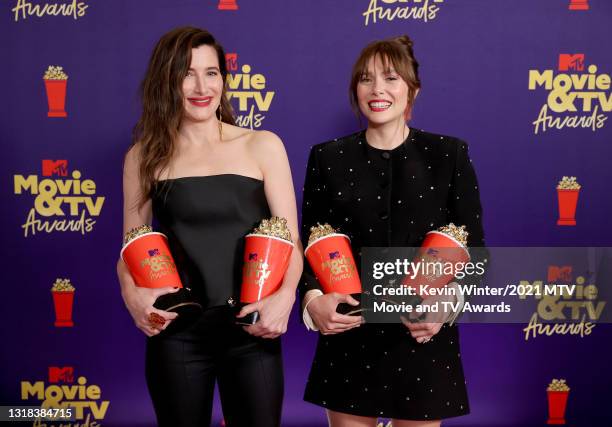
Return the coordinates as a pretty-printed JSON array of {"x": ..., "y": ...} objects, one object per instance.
[
  {"x": 274, "y": 313},
  {"x": 322, "y": 310},
  {"x": 424, "y": 330},
  {"x": 139, "y": 302}
]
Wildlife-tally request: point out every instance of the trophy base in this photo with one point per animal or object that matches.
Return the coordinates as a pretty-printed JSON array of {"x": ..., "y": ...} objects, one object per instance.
[
  {"x": 566, "y": 222},
  {"x": 556, "y": 421},
  {"x": 181, "y": 302},
  {"x": 63, "y": 323},
  {"x": 350, "y": 310}
]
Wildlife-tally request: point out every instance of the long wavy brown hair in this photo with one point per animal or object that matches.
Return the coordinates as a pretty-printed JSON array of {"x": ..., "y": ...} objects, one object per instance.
[{"x": 162, "y": 101}]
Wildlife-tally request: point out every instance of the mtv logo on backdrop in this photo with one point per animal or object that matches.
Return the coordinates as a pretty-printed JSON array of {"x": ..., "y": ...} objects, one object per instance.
[
  {"x": 227, "y": 5},
  {"x": 559, "y": 273},
  {"x": 55, "y": 167},
  {"x": 578, "y": 5},
  {"x": 334, "y": 255},
  {"x": 64, "y": 374},
  {"x": 573, "y": 62},
  {"x": 231, "y": 61}
]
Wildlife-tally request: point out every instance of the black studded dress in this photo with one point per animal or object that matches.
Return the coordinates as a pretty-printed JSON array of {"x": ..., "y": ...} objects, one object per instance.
[{"x": 389, "y": 198}]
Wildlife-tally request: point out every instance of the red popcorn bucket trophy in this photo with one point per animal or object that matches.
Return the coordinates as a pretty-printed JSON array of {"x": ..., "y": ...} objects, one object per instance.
[
  {"x": 267, "y": 252},
  {"x": 148, "y": 257},
  {"x": 443, "y": 247},
  {"x": 63, "y": 298},
  {"x": 331, "y": 258},
  {"x": 557, "y": 393}
]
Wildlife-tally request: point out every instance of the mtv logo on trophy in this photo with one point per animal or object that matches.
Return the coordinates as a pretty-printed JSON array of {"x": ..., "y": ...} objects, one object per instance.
[
  {"x": 227, "y": 5},
  {"x": 573, "y": 62},
  {"x": 579, "y": 5}
]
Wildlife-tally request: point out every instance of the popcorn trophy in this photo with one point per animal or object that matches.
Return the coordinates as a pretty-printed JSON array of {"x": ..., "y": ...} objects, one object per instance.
[
  {"x": 63, "y": 297},
  {"x": 567, "y": 195},
  {"x": 557, "y": 393},
  {"x": 267, "y": 252},
  {"x": 443, "y": 247},
  {"x": 56, "y": 81},
  {"x": 331, "y": 259},
  {"x": 148, "y": 257}
]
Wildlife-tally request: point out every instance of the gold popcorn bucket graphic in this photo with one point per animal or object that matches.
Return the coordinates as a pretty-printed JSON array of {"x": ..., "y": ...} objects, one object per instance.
[
  {"x": 63, "y": 298},
  {"x": 151, "y": 265}
]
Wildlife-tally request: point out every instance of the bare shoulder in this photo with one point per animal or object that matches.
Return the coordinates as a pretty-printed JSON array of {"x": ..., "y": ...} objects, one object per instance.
[
  {"x": 264, "y": 143},
  {"x": 132, "y": 157}
]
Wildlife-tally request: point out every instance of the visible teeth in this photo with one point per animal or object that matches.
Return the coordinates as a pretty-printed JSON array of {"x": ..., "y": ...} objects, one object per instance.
[{"x": 380, "y": 104}]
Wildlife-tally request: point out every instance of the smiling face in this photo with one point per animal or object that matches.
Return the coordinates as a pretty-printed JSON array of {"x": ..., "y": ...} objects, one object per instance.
[
  {"x": 382, "y": 94},
  {"x": 203, "y": 85}
]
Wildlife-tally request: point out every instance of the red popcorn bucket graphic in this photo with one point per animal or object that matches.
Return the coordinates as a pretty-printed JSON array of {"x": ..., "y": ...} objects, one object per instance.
[
  {"x": 62, "y": 302},
  {"x": 332, "y": 262},
  {"x": 568, "y": 200},
  {"x": 266, "y": 259},
  {"x": 56, "y": 97},
  {"x": 152, "y": 266},
  {"x": 438, "y": 250},
  {"x": 227, "y": 5},
  {"x": 557, "y": 402}
]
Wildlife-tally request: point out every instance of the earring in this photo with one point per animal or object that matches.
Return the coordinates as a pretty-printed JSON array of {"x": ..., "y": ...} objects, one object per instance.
[{"x": 220, "y": 121}]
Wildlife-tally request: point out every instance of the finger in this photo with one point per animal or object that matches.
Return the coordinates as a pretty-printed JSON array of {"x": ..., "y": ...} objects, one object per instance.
[
  {"x": 422, "y": 334},
  {"x": 346, "y": 320},
  {"x": 349, "y": 300},
  {"x": 271, "y": 336},
  {"x": 167, "y": 315},
  {"x": 254, "y": 330},
  {"x": 417, "y": 326},
  {"x": 339, "y": 327},
  {"x": 423, "y": 340},
  {"x": 247, "y": 309},
  {"x": 165, "y": 290}
]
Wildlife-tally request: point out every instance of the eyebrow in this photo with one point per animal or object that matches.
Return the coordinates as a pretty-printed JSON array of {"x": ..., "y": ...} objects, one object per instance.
[{"x": 207, "y": 68}]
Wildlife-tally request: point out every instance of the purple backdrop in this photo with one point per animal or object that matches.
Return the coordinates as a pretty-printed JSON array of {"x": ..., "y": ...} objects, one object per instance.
[{"x": 475, "y": 56}]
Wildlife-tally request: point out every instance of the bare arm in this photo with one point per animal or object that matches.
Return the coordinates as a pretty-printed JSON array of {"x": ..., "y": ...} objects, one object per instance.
[
  {"x": 272, "y": 158},
  {"x": 139, "y": 301}
]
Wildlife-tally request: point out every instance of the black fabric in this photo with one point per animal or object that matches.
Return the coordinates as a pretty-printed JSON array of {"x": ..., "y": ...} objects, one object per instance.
[
  {"x": 389, "y": 198},
  {"x": 205, "y": 219},
  {"x": 181, "y": 370}
]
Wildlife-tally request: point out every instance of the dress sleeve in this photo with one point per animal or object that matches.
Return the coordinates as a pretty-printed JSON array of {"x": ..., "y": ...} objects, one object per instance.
[
  {"x": 315, "y": 209},
  {"x": 465, "y": 209}
]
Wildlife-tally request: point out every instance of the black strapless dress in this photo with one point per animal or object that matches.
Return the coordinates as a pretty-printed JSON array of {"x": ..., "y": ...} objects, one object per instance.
[{"x": 206, "y": 219}]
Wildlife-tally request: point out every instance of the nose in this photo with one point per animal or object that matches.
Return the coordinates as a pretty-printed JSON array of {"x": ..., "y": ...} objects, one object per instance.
[
  {"x": 200, "y": 85},
  {"x": 377, "y": 86}
]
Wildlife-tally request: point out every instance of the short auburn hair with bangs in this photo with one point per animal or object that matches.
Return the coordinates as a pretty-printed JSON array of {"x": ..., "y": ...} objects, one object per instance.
[{"x": 396, "y": 53}]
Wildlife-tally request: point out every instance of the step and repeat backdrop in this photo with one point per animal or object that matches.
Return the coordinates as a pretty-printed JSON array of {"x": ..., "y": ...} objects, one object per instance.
[{"x": 526, "y": 83}]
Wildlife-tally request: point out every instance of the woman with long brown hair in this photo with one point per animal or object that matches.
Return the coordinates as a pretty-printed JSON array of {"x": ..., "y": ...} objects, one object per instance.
[
  {"x": 387, "y": 186},
  {"x": 207, "y": 183}
]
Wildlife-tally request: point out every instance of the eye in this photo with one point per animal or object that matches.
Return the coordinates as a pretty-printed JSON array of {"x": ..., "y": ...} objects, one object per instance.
[
  {"x": 365, "y": 79},
  {"x": 190, "y": 74},
  {"x": 213, "y": 73},
  {"x": 391, "y": 78}
]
